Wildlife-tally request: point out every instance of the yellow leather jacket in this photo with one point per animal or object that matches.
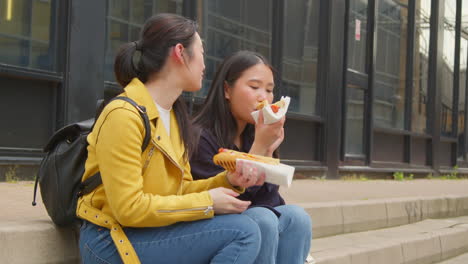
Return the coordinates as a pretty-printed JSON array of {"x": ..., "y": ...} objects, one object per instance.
[{"x": 150, "y": 189}]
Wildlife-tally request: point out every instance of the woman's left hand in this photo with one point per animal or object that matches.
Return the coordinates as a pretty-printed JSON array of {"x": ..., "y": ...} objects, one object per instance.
[
  {"x": 267, "y": 137},
  {"x": 246, "y": 175},
  {"x": 275, "y": 144}
]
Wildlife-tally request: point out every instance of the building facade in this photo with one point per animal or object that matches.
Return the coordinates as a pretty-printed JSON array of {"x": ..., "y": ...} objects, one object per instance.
[{"x": 376, "y": 85}]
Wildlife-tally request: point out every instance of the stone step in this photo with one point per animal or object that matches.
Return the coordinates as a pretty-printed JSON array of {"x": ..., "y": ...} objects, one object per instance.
[
  {"x": 43, "y": 240},
  {"x": 333, "y": 218},
  {"x": 462, "y": 259},
  {"x": 28, "y": 236},
  {"x": 38, "y": 242},
  {"x": 428, "y": 241}
]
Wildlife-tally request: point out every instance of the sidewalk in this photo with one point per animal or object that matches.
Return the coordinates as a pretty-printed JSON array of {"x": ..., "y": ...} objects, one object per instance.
[{"x": 16, "y": 198}]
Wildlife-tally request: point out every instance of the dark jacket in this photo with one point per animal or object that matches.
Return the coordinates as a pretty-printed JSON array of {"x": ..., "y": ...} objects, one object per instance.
[{"x": 203, "y": 167}]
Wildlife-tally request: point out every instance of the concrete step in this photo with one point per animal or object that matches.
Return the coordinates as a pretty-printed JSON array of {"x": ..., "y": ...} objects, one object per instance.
[
  {"x": 43, "y": 239},
  {"x": 28, "y": 236},
  {"x": 333, "y": 218},
  {"x": 462, "y": 259},
  {"x": 39, "y": 241},
  {"x": 428, "y": 241}
]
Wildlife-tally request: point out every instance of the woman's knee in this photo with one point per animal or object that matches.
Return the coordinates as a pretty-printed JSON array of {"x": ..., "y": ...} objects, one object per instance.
[
  {"x": 266, "y": 220},
  {"x": 246, "y": 227},
  {"x": 297, "y": 217}
]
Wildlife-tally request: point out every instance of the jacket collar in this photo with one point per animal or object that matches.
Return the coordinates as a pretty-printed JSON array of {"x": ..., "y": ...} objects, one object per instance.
[
  {"x": 171, "y": 145},
  {"x": 138, "y": 92}
]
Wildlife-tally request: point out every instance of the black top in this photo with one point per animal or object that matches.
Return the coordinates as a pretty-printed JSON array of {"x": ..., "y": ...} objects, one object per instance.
[{"x": 203, "y": 167}]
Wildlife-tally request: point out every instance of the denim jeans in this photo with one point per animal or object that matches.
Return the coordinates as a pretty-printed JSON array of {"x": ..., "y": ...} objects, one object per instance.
[
  {"x": 222, "y": 239},
  {"x": 285, "y": 240}
]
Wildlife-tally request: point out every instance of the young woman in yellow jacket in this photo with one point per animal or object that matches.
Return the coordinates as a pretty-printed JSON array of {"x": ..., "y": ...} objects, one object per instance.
[{"x": 148, "y": 208}]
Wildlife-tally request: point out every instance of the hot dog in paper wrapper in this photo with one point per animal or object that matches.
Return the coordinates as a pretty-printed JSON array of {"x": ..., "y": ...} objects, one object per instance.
[
  {"x": 274, "y": 112},
  {"x": 275, "y": 172}
]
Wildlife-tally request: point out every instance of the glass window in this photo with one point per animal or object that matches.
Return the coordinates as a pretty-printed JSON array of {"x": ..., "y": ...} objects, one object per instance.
[
  {"x": 463, "y": 83},
  {"x": 230, "y": 26},
  {"x": 26, "y": 35},
  {"x": 125, "y": 18},
  {"x": 354, "y": 121},
  {"x": 356, "y": 78},
  {"x": 462, "y": 95},
  {"x": 421, "y": 66},
  {"x": 301, "y": 54},
  {"x": 357, "y": 35},
  {"x": 448, "y": 61},
  {"x": 390, "y": 68}
]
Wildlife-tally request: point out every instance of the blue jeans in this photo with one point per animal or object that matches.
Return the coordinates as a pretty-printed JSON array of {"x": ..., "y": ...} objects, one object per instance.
[
  {"x": 285, "y": 240},
  {"x": 222, "y": 239}
]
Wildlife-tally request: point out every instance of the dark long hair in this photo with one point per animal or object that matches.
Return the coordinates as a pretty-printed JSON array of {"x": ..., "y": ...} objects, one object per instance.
[
  {"x": 141, "y": 59},
  {"x": 215, "y": 114}
]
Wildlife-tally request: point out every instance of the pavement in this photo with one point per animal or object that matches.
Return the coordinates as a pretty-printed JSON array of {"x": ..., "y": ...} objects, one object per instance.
[{"x": 16, "y": 197}]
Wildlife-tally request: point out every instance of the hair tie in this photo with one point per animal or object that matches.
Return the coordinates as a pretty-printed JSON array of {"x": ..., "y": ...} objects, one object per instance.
[
  {"x": 136, "y": 56},
  {"x": 137, "y": 45}
]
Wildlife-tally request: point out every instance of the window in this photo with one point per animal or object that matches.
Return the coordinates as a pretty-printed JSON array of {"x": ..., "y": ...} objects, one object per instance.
[
  {"x": 125, "y": 18},
  {"x": 230, "y": 26},
  {"x": 356, "y": 79},
  {"x": 421, "y": 66},
  {"x": 354, "y": 122},
  {"x": 463, "y": 84},
  {"x": 300, "y": 55},
  {"x": 27, "y": 38},
  {"x": 448, "y": 62},
  {"x": 357, "y": 35},
  {"x": 390, "y": 68}
]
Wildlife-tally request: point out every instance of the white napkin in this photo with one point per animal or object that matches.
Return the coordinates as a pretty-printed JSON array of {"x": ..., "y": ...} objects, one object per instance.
[
  {"x": 280, "y": 174},
  {"x": 268, "y": 116}
]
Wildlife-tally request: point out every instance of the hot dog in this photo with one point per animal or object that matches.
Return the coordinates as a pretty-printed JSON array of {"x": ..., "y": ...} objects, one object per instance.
[
  {"x": 274, "y": 107},
  {"x": 226, "y": 158}
]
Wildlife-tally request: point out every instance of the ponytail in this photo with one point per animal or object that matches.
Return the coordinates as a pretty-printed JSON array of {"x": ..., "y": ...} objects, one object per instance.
[{"x": 124, "y": 68}]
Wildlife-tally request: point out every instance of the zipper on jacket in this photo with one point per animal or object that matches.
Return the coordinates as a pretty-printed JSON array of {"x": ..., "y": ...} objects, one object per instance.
[
  {"x": 206, "y": 210},
  {"x": 169, "y": 157},
  {"x": 175, "y": 163}
]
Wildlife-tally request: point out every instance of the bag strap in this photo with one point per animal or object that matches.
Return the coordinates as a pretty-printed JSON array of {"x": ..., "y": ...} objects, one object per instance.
[
  {"x": 94, "y": 181},
  {"x": 142, "y": 110}
]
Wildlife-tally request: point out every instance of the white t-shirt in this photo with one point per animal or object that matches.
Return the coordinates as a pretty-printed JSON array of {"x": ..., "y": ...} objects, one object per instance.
[{"x": 165, "y": 115}]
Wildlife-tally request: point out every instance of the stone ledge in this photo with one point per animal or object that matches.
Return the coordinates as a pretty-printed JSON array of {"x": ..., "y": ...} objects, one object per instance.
[
  {"x": 37, "y": 242},
  {"x": 334, "y": 218},
  {"x": 429, "y": 241}
]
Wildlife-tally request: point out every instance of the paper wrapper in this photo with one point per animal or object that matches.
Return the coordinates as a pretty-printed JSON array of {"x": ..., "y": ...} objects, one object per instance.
[
  {"x": 280, "y": 174},
  {"x": 268, "y": 116}
]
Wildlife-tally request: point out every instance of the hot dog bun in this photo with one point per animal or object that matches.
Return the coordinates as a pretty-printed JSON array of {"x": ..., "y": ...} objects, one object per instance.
[
  {"x": 274, "y": 107},
  {"x": 226, "y": 158},
  {"x": 262, "y": 104}
]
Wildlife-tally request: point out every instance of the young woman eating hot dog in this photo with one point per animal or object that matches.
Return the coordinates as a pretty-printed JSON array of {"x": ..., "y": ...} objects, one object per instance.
[{"x": 242, "y": 81}]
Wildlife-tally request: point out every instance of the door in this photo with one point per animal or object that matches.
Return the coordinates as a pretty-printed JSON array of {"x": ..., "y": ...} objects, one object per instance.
[{"x": 358, "y": 44}]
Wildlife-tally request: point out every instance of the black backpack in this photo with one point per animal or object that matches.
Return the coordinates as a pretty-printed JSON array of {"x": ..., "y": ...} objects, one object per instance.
[{"x": 62, "y": 168}]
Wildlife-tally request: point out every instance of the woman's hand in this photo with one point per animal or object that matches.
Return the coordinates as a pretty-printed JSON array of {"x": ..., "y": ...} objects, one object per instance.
[
  {"x": 267, "y": 137},
  {"x": 225, "y": 201},
  {"x": 275, "y": 144},
  {"x": 246, "y": 175}
]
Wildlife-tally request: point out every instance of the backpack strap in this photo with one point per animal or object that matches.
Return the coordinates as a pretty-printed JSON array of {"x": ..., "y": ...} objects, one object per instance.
[
  {"x": 94, "y": 181},
  {"x": 142, "y": 110}
]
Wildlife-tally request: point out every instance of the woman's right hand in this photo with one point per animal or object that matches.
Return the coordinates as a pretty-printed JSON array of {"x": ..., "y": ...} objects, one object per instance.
[
  {"x": 267, "y": 137},
  {"x": 225, "y": 201}
]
